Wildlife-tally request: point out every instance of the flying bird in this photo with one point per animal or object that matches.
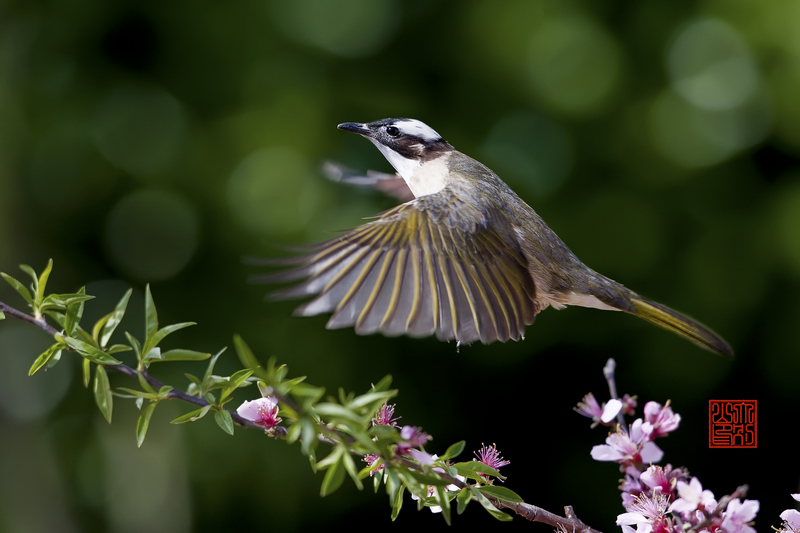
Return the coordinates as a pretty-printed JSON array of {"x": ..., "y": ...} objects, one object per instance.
[{"x": 464, "y": 258}]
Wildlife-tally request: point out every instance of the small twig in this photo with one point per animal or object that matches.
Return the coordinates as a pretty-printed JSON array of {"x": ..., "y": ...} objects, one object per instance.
[
  {"x": 123, "y": 368},
  {"x": 525, "y": 510},
  {"x": 38, "y": 322}
]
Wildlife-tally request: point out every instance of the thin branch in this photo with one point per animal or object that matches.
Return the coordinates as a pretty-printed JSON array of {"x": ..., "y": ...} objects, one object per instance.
[
  {"x": 38, "y": 322},
  {"x": 123, "y": 368},
  {"x": 525, "y": 510}
]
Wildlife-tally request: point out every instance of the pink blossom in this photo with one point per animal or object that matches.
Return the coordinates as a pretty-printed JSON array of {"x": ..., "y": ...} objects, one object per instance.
[
  {"x": 628, "y": 404},
  {"x": 384, "y": 416},
  {"x": 413, "y": 437},
  {"x": 374, "y": 461},
  {"x": 649, "y": 514},
  {"x": 423, "y": 457},
  {"x": 663, "y": 478},
  {"x": 590, "y": 408},
  {"x": 737, "y": 515},
  {"x": 693, "y": 498},
  {"x": 628, "y": 448},
  {"x": 263, "y": 411},
  {"x": 631, "y": 486},
  {"x": 791, "y": 516},
  {"x": 659, "y": 420},
  {"x": 490, "y": 456}
]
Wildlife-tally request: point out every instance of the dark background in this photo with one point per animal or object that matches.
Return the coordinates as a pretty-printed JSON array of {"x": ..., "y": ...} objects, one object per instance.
[{"x": 163, "y": 142}]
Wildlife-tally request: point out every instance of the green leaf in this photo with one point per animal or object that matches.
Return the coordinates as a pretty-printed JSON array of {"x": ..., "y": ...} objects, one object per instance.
[
  {"x": 363, "y": 438},
  {"x": 115, "y": 318},
  {"x": 334, "y": 477},
  {"x": 235, "y": 380},
  {"x": 471, "y": 469},
  {"x": 365, "y": 472},
  {"x": 192, "y": 416},
  {"x": 246, "y": 356},
  {"x": 62, "y": 301},
  {"x": 383, "y": 384},
  {"x": 87, "y": 372},
  {"x": 44, "y": 358},
  {"x": 182, "y": 355},
  {"x": 210, "y": 368},
  {"x": 332, "y": 458},
  {"x": 2, "y": 315},
  {"x": 428, "y": 479},
  {"x": 444, "y": 502},
  {"x": 370, "y": 398},
  {"x": 397, "y": 500},
  {"x": 293, "y": 433},
  {"x": 453, "y": 451},
  {"x": 151, "y": 341},
  {"x": 58, "y": 317},
  {"x": 143, "y": 423},
  {"x": 224, "y": 420},
  {"x": 99, "y": 326},
  {"x": 144, "y": 383},
  {"x": 91, "y": 353},
  {"x": 308, "y": 435},
  {"x": 336, "y": 410},
  {"x": 19, "y": 287},
  {"x": 42, "y": 283},
  {"x": 494, "y": 511},
  {"x": 501, "y": 493},
  {"x": 32, "y": 273},
  {"x": 133, "y": 393},
  {"x": 289, "y": 384},
  {"x": 102, "y": 393},
  {"x": 137, "y": 348},
  {"x": 116, "y": 348},
  {"x": 55, "y": 359},
  {"x": 74, "y": 314},
  {"x": 463, "y": 498},
  {"x": 150, "y": 314},
  {"x": 152, "y": 356},
  {"x": 350, "y": 467},
  {"x": 194, "y": 379}
]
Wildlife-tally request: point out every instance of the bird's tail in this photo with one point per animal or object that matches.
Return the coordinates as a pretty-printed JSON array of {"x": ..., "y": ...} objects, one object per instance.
[{"x": 684, "y": 326}]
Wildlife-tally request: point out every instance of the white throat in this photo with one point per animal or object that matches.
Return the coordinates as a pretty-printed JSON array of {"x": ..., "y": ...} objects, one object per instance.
[{"x": 422, "y": 178}]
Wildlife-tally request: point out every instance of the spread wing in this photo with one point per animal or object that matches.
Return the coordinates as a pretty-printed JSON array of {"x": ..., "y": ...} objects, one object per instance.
[{"x": 427, "y": 266}]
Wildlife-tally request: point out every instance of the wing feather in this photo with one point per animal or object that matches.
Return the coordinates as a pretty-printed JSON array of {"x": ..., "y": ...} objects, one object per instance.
[{"x": 420, "y": 269}]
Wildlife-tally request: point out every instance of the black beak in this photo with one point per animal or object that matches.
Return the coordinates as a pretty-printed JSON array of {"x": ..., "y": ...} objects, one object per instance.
[{"x": 354, "y": 127}]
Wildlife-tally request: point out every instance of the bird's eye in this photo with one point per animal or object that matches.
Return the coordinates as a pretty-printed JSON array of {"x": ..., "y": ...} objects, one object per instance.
[{"x": 393, "y": 131}]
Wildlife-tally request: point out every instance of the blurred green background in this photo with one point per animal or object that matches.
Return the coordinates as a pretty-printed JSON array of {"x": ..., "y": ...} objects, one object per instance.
[{"x": 163, "y": 142}]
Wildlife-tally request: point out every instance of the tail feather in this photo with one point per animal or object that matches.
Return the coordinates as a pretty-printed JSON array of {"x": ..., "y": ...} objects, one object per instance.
[{"x": 684, "y": 326}]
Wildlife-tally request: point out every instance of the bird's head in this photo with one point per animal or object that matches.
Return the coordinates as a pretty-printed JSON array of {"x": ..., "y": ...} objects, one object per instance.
[{"x": 406, "y": 143}]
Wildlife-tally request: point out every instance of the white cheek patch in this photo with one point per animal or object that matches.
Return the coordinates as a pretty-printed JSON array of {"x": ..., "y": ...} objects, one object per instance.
[
  {"x": 422, "y": 178},
  {"x": 403, "y": 166},
  {"x": 415, "y": 128}
]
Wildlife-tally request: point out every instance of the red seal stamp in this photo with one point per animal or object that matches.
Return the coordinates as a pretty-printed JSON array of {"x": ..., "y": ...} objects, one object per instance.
[{"x": 732, "y": 424}]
